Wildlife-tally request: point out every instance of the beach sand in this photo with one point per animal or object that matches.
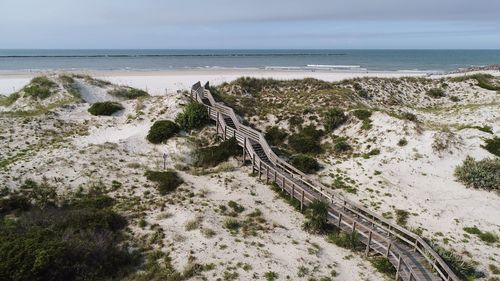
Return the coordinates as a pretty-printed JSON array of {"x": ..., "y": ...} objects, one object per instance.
[{"x": 170, "y": 81}]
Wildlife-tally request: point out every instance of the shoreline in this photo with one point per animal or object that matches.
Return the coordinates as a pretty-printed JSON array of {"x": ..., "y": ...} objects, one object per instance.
[{"x": 163, "y": 82}]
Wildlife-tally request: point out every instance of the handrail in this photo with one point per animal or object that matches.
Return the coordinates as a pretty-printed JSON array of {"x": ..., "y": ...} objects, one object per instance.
[{"x": 413, "y": 240}]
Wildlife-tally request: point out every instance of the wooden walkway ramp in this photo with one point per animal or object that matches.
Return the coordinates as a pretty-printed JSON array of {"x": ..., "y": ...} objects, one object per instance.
[{"x": 412, "y": 257}]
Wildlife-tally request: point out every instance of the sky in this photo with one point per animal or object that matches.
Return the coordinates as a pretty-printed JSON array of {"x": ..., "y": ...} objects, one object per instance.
[{"x": 250, "y": 24}]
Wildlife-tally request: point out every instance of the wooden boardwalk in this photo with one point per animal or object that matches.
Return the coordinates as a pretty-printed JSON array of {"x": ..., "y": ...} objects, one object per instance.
[{"x": 412, "y": 257}]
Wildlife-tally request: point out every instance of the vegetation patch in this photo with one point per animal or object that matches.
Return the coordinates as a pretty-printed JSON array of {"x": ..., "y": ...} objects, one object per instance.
[
  {"x": 214, "y": 155},
  {"x": 167, "y": 181},
  {"x": 492, "y": 145},
  {"x": 161, "y": 131},
  {"x": 483, "y": 174},
  {"x": 383, "y": 265},
  {"x": 78, "y": 239},
  {"x": 402, "y": 217},
  {"x": 9, "y": 100},
  {"x": 345, "y": 240},
  {"x": 128, "y": 93},
  {"x": 464, "y": 269},
  {"x": 195, "y": 115},
  {"x": 483, "y": 80},
  {"x": 305, "y": 163},
  {"x": 316, "y": 215},
  {"x": 275, "y": 136},
  {"x": 105, "y": 108},
  {"x": 39, "y": 88},
  {"x": 306, "y": 141},
  {"x": 334, "y": 118},
  {"x": 486, "y": 236},
  {"x": 436, "y": 93}
]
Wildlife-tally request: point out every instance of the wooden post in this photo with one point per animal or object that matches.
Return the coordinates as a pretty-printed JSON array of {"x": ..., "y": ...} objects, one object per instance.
[
  {"x": 225, "y": 129},
  {"x": 260, "y": 169},
  {"x": 283, "y": 185},
  {"x": 398, "y": 268},
  {"x": 353, "y": 226},
  {"x": 293, "y": 191},
  {"x": 340, "y": 218},
  {"x": 368, "y": 244},
  {"x": 302, "y": 202},
  {"x": 388, "y": 249},
  {"x": 253, "y": 163},
  {"x": 275, "y": 176},
  {"x": 217, "y": 125},
  {"x": 267, "y": 174}
]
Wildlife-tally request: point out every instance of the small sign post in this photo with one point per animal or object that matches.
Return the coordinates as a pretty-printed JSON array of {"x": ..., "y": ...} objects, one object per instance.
[{"x": 164, "y": 160}]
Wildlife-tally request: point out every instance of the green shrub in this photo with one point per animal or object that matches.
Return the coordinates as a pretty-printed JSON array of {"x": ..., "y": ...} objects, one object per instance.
[
  {"x": 483, "y": 174},
  {"x": 436, "y": 93},
  {"x": 334, "y": 118},
  {"x": 232, "y": 225},
  {"x": 214, "y": 155},
  {"x": 81, "y": 241},
  {"x": 383, "y": 265},
  {"x": 275, "y": 136},
  {"x": 271, "y": 276},
  {"x": 106, "y": 108},
  {"x": 362, "y": 114},
  {"x": 345, "y": 239},
  {"x": 306, "y": 141},
  {"x": 161, "y": 131},
  {"x": 128, "y": 93},
  {"x": 488, "y": 237},
  {"x": 10, "y": 99},
  {"x": 492, "y": 145},
  {"x": 402, "y": 142},
  {"x": 195, "y": 115},
  {"x": 464, "y": 269},
  {"x": 409, "y": 116},
  {"x": 39, "y": 87},
  {"x": 305, "y": 163},
  {"x": 316, "y": 217},
  {"x": 167, "y": 181},
  {"x": 402, "y": 217},
  {"x": 342, "y": 146}
]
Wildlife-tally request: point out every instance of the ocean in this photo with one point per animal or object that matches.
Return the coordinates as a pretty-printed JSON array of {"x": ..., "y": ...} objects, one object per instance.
[{"x": 326, "y": 60}]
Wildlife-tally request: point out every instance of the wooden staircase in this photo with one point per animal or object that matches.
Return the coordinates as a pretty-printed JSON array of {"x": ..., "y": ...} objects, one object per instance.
[{"x": 411, "y": 255}]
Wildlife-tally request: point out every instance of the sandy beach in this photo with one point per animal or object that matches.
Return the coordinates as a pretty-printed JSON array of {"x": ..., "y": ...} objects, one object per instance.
[{"x": 160, "y": 82}]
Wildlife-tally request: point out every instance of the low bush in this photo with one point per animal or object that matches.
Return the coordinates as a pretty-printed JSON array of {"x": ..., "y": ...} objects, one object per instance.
[
  {"x": 483, "y": 174},
  {"x": 334, "y": 118},
  {"x": 306, "y": 141},
  {"x": 345, "y": 240},
  {"x": 316, "y": 215},
  {"x": 167, "y": 181},
  {"x": 106, "y": 108},
  {"x": 275, "y": 135},
  {"x": 214, "y": 155},
  {"x": 128, "y": 93},
  {"x": 362, "y": 114},
  {"x": 409, "y": 116},
  {"x": 402, "y": 217},
  {"x": 492, "y": 145},
  {"x": 161, "y": 131},
  {"x": 342, "y": 146},
  {"x": 40, "y": 87},
  {"x": 81, "y": 240},
  {"x": 436, "y": 93},
  {"x": 195, "y": 115},
  {"x": 486, "y": 236},
  {"x": 305, "y": 163},
  {"x": 402, "y": 142},
  {"x": 383, "y": 265},
  {"x": 464, "y": 269}
]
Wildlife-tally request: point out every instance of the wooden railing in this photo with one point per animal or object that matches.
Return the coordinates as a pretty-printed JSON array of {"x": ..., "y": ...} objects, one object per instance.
[{"x": 376, "y": 232}]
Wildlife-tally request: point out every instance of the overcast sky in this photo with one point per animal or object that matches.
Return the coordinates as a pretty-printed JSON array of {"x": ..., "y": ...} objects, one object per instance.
[{"x": 229, "y": 24}]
